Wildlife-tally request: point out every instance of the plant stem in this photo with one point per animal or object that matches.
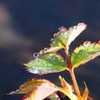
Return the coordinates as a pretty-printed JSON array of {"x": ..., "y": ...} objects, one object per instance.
[
  {"x": 75, "y": 83},
  {"x": 71, "y": 71}
]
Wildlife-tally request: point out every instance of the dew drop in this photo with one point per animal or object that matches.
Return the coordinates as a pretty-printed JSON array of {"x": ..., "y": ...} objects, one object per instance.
[
  {"x": 45, "y": 49},
  {"x": 92, "y": 58},
  {"x": 58, "y": 34},
  {"x": 27, "y": 99},
  {"x": 41, "y": 52},
  {"x": 22, "y": 86},
  {"x": 79, "y": 24},
  {"x": 87, "y": 48},
  {"x": 52, "y": 39},
  {"x": 35, "y": 55},
  {"x": 87, "y": 43},
  {"x": 54, "y": 35},
  {"x": 62, "y": 29},
  {"x": 52, "y": 58},
  {"x": 35, "y": 71},
  {"x": 70, "y": 28},
  {"x": 50, "y": 44}
]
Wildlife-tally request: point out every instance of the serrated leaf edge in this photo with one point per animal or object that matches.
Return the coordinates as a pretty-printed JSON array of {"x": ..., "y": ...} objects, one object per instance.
[{"x": 90, "y": 58}]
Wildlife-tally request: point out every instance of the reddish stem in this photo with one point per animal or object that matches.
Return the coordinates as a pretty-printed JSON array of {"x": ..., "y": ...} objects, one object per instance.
[
  {"x": 75, "y": 83},
  {"x": 71, "y": 71}
]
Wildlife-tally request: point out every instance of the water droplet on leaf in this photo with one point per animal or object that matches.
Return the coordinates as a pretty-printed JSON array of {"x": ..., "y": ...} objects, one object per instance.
[
  {"x": 92, "y": 57},
  {"x": 41, "y": 52},
  {"x": 45, "y": 49},
  {"x": 62, "y": 29},
  {"x": 70, "y": 28},
  {"x": 86, "y": 43},
  {"x": 52, "y": 39},
  {"x": 35, "y": 71},
  {"x": 36, "y": 55},
  {"x": 54, "y": 35},
  {"x": 52, "y": 58}
]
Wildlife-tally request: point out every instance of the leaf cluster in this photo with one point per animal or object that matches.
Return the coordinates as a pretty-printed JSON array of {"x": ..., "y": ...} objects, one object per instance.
[{"x": 50, "y": 61}]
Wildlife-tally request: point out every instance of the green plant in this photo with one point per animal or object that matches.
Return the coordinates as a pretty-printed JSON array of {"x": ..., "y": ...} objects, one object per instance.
[{"x": 50, "y": 61}]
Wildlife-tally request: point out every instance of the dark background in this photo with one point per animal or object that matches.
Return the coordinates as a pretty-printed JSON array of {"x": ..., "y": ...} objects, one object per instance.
[{"x": 26, "y": 26}]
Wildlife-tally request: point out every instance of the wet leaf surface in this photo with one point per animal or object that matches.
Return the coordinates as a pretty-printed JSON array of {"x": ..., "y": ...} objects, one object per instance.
[
  {"x": 47, "y": 63},
  {"x": 85, "y": 53},
  {"x": 29, "y": 86}
]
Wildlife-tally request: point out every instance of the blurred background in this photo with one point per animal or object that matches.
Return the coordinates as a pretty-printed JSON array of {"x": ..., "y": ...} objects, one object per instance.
[{"x": 26, "y": 26}]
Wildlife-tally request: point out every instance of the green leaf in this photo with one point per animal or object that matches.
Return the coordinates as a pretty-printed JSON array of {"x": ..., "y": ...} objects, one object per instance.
[
  {"x": 47, "y": 63},
  {"x": 41, "y": 92},
  {"x": 57, "y": 42},
  {"x": 68, "y": 36},
  {"x": 29, "y": 86},
  {"x": 64, "y": 37},
  {"x": 75, "y": 31},
  {"x": 36, "y": 89},
  {"x": 85, "y": 53}
]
